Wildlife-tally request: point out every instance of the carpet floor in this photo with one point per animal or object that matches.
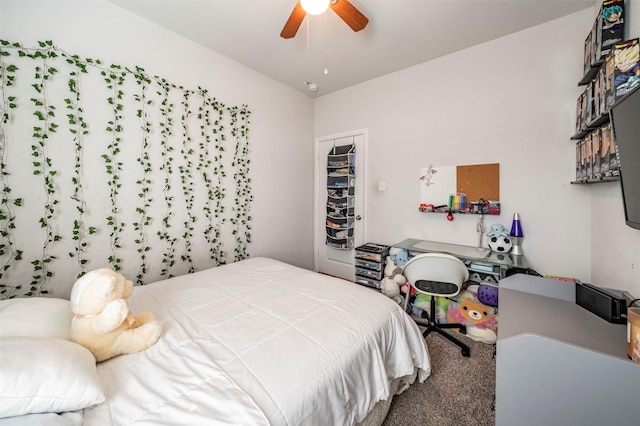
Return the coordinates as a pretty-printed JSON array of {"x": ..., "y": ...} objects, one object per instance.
[{"x": 460, "y": 390}]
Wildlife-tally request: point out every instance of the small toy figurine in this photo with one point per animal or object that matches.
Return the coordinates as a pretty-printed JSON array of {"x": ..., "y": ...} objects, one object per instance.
[{"x": 611, "y": 15}]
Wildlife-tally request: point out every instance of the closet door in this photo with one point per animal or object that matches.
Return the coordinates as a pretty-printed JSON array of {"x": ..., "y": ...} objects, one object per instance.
[{"x": 339, "y": 197}]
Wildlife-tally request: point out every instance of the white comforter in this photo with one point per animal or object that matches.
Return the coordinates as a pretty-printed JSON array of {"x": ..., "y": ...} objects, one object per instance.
[{"x": 260, "y": 342}]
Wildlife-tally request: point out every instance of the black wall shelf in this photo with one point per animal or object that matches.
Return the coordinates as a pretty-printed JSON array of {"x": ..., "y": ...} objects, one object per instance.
[
  {"x": 596, "y": 180},
  {"x": 590, "y": 74},
  {"x": 591, "y": 126}
]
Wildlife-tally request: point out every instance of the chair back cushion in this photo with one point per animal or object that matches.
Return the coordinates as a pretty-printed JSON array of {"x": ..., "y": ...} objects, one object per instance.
[
  {"x": 436, "y": 287},
  {"x": 439, "y": 274}
]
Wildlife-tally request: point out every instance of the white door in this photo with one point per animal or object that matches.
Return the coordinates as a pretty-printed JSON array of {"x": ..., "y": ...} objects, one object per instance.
[{"x": 328, "y": 259}]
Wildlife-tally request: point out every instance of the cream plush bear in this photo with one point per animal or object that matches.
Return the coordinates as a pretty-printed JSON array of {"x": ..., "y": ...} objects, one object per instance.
[
  {"x": 103, "y": 323},
  {"x": 393, "y": 278}
]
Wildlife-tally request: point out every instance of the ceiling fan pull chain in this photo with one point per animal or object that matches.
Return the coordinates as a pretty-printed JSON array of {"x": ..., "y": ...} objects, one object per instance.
[
  {"x": 326, "y": 69},
  {"x": 308, "y": 48}
]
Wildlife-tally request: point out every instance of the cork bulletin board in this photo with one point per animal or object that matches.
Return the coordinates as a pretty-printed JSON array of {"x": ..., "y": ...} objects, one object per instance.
[{"x": 479, "y": 181}]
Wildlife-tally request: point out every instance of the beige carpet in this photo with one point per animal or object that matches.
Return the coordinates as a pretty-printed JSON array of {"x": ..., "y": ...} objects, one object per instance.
[{"x": 460, "y": 390}]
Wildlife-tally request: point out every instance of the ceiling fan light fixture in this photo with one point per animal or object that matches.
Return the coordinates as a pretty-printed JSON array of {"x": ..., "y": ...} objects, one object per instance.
[{"x": 315, "y": 7}]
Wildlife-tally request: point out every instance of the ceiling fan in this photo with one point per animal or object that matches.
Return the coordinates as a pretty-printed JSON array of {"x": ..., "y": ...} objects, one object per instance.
[{"x": 345, "y": 10}]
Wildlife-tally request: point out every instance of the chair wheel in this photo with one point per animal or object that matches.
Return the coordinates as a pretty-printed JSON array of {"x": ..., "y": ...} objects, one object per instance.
[{"x": 466, "y": 352}]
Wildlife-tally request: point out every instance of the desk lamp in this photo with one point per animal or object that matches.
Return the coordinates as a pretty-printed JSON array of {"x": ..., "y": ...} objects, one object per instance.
[{"x": 516, "y": 235}]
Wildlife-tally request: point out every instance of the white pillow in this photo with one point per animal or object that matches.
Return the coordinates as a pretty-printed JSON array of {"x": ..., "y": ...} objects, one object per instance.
[
  {"x": 36, "y": 317},
  {"x": 44, "y": 375}
]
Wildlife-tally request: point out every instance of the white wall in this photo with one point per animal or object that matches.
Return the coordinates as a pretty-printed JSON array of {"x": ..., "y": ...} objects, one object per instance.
[
  {"x": 281, "y": 147},
  {"x": 511, "y": 101}
]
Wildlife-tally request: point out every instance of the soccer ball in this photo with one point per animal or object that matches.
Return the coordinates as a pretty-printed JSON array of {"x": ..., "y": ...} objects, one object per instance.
[
  {"x": 500, "y": 244},
  {"x": 499, "y": 258}
]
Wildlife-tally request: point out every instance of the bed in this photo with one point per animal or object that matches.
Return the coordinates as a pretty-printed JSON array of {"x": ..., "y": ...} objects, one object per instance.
[{"x": 258, "y": 342}]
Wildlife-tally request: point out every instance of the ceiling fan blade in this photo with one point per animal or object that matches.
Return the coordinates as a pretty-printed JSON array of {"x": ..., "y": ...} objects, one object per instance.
[
  {"x": 349, "y": 14},
  {"x": 293, "y": 23}
]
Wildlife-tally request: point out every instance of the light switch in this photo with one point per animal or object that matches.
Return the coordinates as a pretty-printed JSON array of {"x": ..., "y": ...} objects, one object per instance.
[{"x": 382, "y": 185}]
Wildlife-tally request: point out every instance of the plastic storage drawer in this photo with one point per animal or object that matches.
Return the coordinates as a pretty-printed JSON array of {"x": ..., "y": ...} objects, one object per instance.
[
  {"x": 373, "y": 252},
  {"x": 368, "y": 282},
  {"x": 375, "y": 266},
  {"x": 376, "y": 275},
  {"x": 374, "y": 257}
]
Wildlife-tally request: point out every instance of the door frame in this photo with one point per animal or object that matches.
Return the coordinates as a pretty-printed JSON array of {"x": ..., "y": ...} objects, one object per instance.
[{"x": 319, "y": 232}]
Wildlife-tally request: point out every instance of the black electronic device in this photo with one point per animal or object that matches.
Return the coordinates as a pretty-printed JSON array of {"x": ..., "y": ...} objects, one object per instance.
[
  {"x": 625, "y": 121},
  {"x": 608, "y": 304}
]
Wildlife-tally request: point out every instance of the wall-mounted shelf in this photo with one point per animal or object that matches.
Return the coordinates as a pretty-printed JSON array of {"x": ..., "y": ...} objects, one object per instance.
[
  {"x": 463, "y": 212},
  {"x": 591, "y": 126},
  {"x": 596, "y": 180},
  {"x": 590, "y": 74},
  {"x": 596, "y": 159},
  {"x": 491, "y": 208}
]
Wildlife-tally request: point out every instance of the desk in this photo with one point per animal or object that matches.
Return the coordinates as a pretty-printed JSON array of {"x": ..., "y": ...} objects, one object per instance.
[
  {"x": 559, "y": 364},
  {"x": 482, "y": 261}
]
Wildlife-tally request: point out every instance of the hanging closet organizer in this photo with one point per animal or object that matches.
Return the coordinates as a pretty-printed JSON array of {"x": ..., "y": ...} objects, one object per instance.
[{"x": 341, "y": 179}]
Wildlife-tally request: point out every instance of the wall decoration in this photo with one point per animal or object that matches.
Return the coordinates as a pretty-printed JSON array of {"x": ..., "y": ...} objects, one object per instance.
[
  {"x": 436, "y": 184},
  {"x": 110, "y": 166},
  {"x": 471, "y": 189}
]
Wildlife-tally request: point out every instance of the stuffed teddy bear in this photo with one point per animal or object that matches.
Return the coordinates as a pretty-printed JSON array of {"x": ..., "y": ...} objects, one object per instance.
[
  {"x": 389, "y": 287},
  {"x": 103, "y": 323},
  {"x": 393, "y": 279},
  {"x": 481, "y": 320},
  {"x": 398, "y": 256}
]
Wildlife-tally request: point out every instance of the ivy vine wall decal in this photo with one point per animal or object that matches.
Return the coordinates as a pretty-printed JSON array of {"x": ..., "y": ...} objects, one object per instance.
[{"x": 109, "y": 166}]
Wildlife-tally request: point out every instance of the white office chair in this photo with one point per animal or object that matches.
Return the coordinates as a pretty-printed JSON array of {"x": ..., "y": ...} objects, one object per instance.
[{"x": 437, "y": 274}]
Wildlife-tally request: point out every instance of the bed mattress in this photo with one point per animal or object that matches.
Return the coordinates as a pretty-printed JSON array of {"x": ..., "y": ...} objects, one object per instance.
[{"x": 261, "y": 342}]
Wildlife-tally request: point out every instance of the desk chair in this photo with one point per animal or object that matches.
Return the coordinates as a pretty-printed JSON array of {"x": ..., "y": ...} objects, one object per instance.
[{"x": 437, "y": 274}]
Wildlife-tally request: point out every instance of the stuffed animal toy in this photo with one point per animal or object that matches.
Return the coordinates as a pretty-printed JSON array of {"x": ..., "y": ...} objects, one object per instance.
[
  {"x": 389, "y": 287},
  {"x": 398, "y": 256},
  {"x": 103, "y": 323},
  {"x": 404, "y": 288},
  {"x": 423, "y": 301},
  {"x": 393, "y": 278},
  {"x": 481, "y": 320}
]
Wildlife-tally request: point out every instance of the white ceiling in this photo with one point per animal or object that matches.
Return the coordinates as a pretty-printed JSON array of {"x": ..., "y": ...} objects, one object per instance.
[{"x": 400, "y": 33}]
